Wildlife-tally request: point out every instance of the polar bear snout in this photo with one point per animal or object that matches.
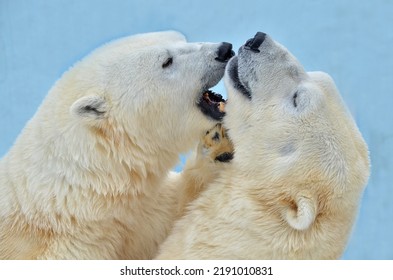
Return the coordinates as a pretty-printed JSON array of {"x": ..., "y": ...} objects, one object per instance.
[
  {"x": 224, "y": 52},
  {"x": 253, "y": 44}
]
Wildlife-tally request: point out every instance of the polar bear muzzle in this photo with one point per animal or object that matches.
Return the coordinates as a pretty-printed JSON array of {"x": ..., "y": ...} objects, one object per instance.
[
  {"x": 252, "y": 45},
  {"x": 225, "y": 52},
  {"x": 212, "y": 104}
]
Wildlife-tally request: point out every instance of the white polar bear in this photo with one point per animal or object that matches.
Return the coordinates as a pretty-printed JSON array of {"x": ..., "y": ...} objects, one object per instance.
[
  {"x": 84, "y": 180},
  {"x": 292, "y": 190}
]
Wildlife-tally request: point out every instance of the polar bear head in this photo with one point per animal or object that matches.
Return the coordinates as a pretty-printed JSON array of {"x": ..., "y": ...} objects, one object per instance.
[
  {"x": 151, "y": 86},
  {"x": 146, "y": 94},
  {"x": 128, "y": 109},
  {"x": 294, "y": 139}
]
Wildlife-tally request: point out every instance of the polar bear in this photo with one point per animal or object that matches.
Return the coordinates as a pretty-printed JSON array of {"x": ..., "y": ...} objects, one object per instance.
[
  {"x": 300, "y": 165},
  {"x": 84, "y": 180}
]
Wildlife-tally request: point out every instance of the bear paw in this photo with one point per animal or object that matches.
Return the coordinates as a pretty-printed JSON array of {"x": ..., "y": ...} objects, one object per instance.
[{"x": 215, "y": 145}]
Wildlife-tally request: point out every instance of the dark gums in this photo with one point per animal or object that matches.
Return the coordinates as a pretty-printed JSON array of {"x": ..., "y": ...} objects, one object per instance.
[{"x": 233, "y": 73}]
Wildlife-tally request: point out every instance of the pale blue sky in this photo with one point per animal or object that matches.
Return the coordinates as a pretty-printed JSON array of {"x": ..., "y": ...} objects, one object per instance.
[{"x": 351, "y": 40}]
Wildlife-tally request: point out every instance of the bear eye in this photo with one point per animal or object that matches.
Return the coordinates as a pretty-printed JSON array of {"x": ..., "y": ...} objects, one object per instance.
[
  {"x": 167, "y": 62},
  {"x": 294, "y": 99}
]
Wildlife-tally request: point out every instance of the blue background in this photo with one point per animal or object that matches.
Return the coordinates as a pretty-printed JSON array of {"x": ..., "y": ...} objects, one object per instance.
[{"x": 352, "y": 40}]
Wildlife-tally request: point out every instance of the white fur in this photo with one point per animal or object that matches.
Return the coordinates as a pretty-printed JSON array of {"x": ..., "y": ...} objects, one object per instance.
[
  {"x": 84, "y": 178},
  {"x": 300, "y": 166}
]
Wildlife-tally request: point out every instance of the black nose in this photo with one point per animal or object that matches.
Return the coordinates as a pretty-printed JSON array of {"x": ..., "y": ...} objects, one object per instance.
[
  {"x": 225, "y": 52},
  {"x": 254, "y": 43}
]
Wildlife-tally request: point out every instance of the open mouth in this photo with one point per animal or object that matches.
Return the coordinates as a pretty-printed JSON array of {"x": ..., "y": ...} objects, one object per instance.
[
  {"x": 233, "y": 72},
  {"x": 212, "y": 105}
]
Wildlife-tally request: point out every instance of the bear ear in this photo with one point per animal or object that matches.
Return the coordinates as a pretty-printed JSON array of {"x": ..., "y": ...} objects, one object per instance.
[
  {"x": 302, "y": 216},
  {"x": 90, "y": 108}
]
